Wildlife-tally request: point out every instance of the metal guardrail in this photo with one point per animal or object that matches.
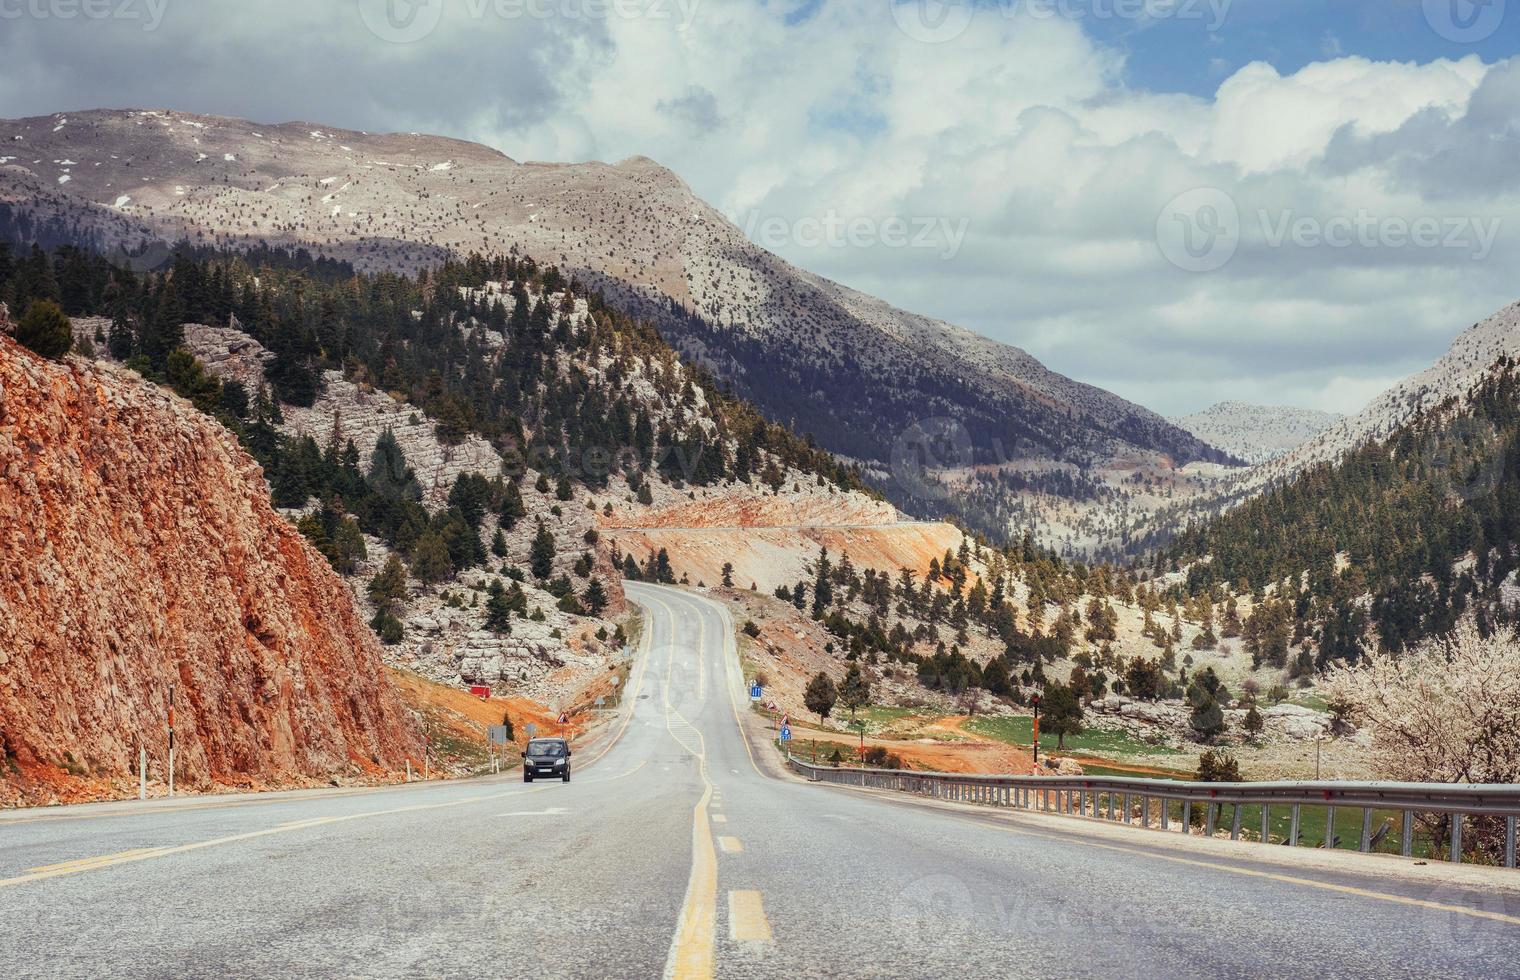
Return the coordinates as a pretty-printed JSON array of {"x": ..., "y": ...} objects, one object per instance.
[{"x": 1133, "y": 800}]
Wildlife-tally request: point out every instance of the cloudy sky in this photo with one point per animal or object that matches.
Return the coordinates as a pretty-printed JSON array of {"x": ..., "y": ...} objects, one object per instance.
[{"x": 1279, "y": 201}]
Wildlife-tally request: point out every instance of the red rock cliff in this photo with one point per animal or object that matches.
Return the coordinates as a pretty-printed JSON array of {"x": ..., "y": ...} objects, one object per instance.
[{"x": 138, "y": 547}]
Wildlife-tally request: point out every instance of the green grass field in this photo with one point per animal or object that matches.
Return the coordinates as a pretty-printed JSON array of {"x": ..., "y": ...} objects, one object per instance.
[{"x": 1018, "y": 730}]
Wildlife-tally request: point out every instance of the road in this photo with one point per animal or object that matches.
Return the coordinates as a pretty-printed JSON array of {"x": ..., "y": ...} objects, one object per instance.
[{"x": 676, "y": 851}]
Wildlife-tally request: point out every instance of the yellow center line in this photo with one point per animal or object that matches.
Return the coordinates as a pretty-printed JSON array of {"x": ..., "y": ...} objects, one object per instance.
[
  {"x": 746, "y": 917},
  {"x": 692, "y": 945},
  {"x": 144, "y": 854},
  {"x": 80, "y": 864}
]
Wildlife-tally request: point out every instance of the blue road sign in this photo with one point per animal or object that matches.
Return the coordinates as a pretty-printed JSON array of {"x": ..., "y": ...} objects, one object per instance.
[
  {"x": 786, "y": 733},
  {"x": 754, "y": 692}
]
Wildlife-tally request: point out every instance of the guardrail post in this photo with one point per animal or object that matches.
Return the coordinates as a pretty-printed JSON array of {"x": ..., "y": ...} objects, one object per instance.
[
  {"x": 1366, "y": 842},
  {"x": 1329, "y": 841},
  {"x": 1187, "y": 816},
  {"x": 1166, "y": 813},
  {"x": 1126, "y": 808},
  {"x": 1145, "y": 811},
  {"x": 1208, "y": 819},
  {"x": 1509, "y": 842},
  {"x": 1293, "y": 830},
  {"x": 1406, "y": 835},
  {"x": 1266, "y": 822},
  {"x": 1456, "y": 838},
  {"x": 1235, "y": 823}
]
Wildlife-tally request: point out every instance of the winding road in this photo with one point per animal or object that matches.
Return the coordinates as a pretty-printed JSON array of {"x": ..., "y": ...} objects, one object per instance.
[{"x": 681, "y": 849}]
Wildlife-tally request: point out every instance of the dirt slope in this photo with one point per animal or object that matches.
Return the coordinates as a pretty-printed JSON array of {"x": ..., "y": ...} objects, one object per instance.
[{"x": 138, "y": 548}]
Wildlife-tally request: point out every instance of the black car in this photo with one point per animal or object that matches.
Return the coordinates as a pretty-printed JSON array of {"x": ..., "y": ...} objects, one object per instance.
[{"x": 546, "y": 757}]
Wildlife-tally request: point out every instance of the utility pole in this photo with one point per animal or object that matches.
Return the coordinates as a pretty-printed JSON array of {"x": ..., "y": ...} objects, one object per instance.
[
  {"x": 171, "y": 741},
  {"x": 1036, "y": 740}
]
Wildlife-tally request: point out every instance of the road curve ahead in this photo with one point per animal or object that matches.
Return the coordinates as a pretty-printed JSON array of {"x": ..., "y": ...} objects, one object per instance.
[{"x": 675, "y": 853}]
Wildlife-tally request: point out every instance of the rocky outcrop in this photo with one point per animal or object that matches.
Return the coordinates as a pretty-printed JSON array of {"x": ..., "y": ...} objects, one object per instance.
[
  {"x": 228, "y": 353},
  {"x": 140, "y": 550},
  {"x": 1167, "y": 721}
]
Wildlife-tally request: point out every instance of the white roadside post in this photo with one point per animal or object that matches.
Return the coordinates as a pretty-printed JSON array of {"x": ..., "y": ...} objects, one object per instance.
[
  {"x": 142, "y": 773},
  {"x": 171, "y": 741}
]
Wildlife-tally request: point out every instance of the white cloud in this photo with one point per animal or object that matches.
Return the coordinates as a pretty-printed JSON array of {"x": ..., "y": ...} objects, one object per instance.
[{"x": 1026, "y": 129}]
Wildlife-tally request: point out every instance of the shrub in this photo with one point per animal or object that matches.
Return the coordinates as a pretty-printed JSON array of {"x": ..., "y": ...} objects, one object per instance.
[{"x": 45, "y": 329}]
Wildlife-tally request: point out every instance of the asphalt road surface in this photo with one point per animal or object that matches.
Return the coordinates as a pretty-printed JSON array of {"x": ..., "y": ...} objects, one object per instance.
[{"x": 678, "y": 851}]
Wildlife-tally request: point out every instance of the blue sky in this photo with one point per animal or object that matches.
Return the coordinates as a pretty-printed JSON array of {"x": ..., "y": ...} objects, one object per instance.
[{"x": 1182, "y": 55}]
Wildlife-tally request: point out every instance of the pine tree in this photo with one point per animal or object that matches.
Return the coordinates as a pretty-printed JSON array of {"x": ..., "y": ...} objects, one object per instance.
[
  {"x": 595, "y": 598},
  {"x": 498, "y": 609},
  {"x": 855, "y": 689},
  {"x": 541, "y": 556},
  {"x": 728, "y": 575},
  {"x": 430, "y": 559},
  {"x": 823, "y": 586},
  {"x": 820, "y": 695},
  {"x": 1062, "y": 712},
  {"x": 45, "y": 330},
  {"x": 512, "y": 507},
  {"x": 388, "y": 587}
]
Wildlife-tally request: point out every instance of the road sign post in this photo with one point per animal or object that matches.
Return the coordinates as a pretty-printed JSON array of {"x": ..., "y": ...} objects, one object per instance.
[
  {"x": 1036, "y": 739},
  {"x": 496, "y": 735}
]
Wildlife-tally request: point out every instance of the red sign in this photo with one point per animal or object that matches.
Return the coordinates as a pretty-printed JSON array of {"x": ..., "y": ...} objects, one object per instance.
[{"x": 481, "y": 691}]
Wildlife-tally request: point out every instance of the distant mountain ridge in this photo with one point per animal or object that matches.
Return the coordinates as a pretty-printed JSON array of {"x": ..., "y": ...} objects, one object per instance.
[
  {"x": 1256, "y": 433},
  {"x": 856, "y": 372},
  {"x": 1468, "y": 361}
]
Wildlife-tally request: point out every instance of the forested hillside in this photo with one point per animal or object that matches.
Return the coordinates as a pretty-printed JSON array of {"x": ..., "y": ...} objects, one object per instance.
[
  {"x": 1402, "y": 536},
  {"x": 501, "y": 412}
]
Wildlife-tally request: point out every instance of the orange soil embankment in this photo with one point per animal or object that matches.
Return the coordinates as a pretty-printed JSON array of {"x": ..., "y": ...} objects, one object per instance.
[
  {"x": 975, "y": 755},
  {"x": 466, "y": 716},
  {"x": 772, "y": 556}
]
